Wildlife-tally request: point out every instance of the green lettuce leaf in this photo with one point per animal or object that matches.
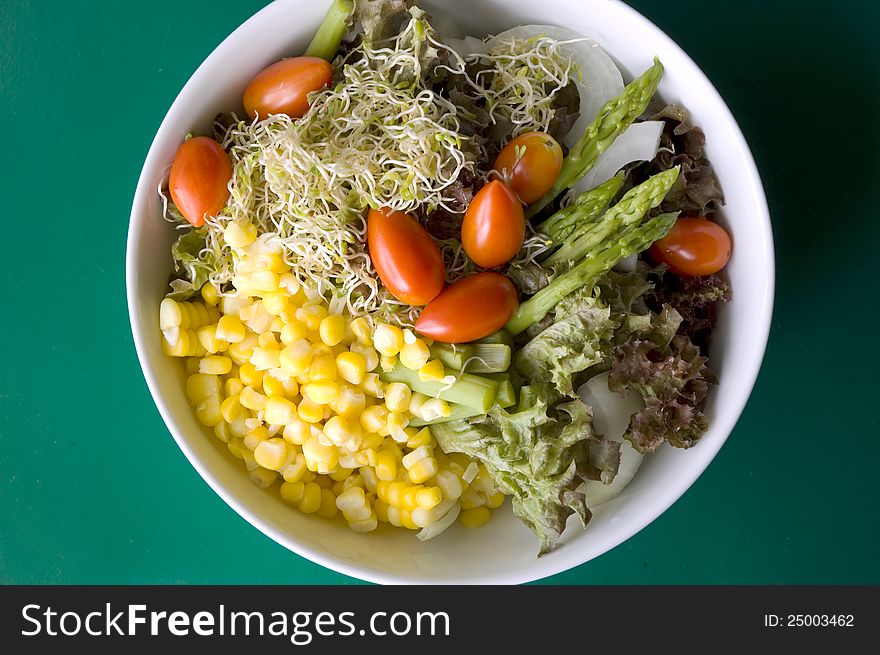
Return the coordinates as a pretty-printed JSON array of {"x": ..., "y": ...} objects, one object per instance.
[
  {"x": 193, "y": 262},
  {"x": 375, "y": 21},
  {"x": 580, "y": 337},
  {"x": 538, "y": 453}
]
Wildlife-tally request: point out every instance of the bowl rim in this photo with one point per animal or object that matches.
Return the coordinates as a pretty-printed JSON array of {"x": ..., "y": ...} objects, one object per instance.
[{"x": 676, "y": 489}]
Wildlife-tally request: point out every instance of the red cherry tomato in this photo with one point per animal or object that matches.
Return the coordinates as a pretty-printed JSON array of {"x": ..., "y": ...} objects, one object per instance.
[
  {"x": 472, "y": 308},
  {"x": 283, "y": 87},
  {"x": 530, "y": 164},
  {"x": 494, "y": 226},
  {"x": 694, "y": 247},
  {"x": 405, "y": 256},
  {"x": 199, "y": 177}
]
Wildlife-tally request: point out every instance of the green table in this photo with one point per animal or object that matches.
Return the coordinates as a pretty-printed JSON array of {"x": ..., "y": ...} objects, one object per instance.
[{"x": 94, "y": 490}]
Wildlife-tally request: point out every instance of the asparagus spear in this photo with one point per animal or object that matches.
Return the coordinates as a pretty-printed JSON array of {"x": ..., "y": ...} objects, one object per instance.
[
  {"x": 627, "y": 241},
  {"x": 587, "y": 207},
  {"x": 613, "y": 118},
  {"x": 326, "y": 41},
  {"x": 628, "y": 211}
]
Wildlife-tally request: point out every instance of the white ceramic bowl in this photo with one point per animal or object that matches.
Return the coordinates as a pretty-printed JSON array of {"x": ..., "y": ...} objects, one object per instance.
[{"x": 504, "y": 550}]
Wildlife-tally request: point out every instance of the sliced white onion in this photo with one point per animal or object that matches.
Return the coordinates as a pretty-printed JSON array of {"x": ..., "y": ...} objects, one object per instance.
[
  {"x": 444, "y": 522},
  {"x": 611, "y": 415},
  {"x": 627, "y": 264},
  {"x": 638, "y": 142}
]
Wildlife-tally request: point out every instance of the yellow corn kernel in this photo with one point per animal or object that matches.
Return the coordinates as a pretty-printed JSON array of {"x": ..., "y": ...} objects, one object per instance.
[
  {"x": 433, "y": 371},
  {"x": 265, "y": 358},
  {"x": 395, "y": 424},
  {"x": 292, "y": 491},
  {"x": 252, "y": 399},
  {"x": 296, "y": 358},
  {"x": 209, "y": 341},
  {"x": 382, "y": 490},
  {"x": 429, "y": 497},
  {"x": 495, "y": 500},
  {"x": 208, "y": 411},
  {"x": 232, "y": 410},
  {"x": 381, "y": 510},
  {"x": 319, "y": 457},
  {"x": 394, "y": 492},
  {"x": 230, "y": 329},
  {"x": 272, "y": 386},
  {"x": 374, "y": 418},
  {"x": 311, "y": 500},
  {"x": 215, "y": 365},
  {"x": 263, "y": 478},
  {"x": 264, "y": 281},
  {"x": 394, "y": 516},
  {"x": 310, "y": 411},
  {"x": 239, "y": 234},
  {"x": 432, "y": 408},
  {"x": 397, "y": 397},
  {"x": 423, "y": 470},
  {"x": 332, "y": 329},
  {"x": 371, "y": 357},
  {"x": 327, "y": 508},
  {"x": 311, "y": 316},
  {"x": 415, "y": 355},
  {"x": 369, "y": 475},
  {"x": 257, "y": 318},
  {"x": 323, "y": 368},
  {"x": 350, "y": 402},
  {"x": 232, "y": 386},
  {"x": 200, "y": 386},
  {"x": 351, "y": 367},
  {"x": 292, "y": 331},
  {"x": 362, "y": 330},
  {"x": 351, "y": 499},
  {"x": 372, "y": 440},
  {"x": 235, "y": 448},
  {"x": 421, "y": 438},
  {"x": 475, "y": 517},
  {"x": 296, "y": 470},
  {"x": 406, "y": 520},
  {"x": 276, "y": 302},
  {"x": 256, "y": 436},
  {"x": 177, "y": 345},
  {"x": 321, "y": 393},
  {"x": 289, "y": 283},
  {"x": 388, "y": 339},
  {"x": 267, "y": 340},
  {"x": 340, "y": 474},
  {"x": 210, "y": 294},
  {"x": 233, "y": 305},
  {"x": 297, "y": 431},
  {"x": 373, "y": 385},
  {"x": 387, "y": 363},
  {"x": 222, "y": 431},
  {"x": 271, "y": 453},
  {"x": 341, "y": 432},
  {"x": 408, "y": 498},
  {"x": 278, "y": 411},
  {"x": 170, "y": 314},
  {"x": 249, "y": 375}
]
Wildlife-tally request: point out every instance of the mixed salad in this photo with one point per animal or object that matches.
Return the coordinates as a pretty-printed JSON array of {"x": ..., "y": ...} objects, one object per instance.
[{"x": 421, "y": 274}]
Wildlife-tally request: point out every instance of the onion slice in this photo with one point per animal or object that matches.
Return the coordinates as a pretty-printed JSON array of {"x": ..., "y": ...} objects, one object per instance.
[
  {"x": 440, "y": 525},
  {"x": 638, "y": 142},
  {"x": 611, "y": 415}
]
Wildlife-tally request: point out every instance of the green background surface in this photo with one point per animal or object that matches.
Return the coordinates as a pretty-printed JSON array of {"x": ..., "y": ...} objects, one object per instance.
[{"x": 93, "y": 488}]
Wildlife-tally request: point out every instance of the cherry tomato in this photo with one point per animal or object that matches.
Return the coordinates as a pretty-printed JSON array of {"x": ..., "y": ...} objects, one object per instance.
[
  {"x": 494, "y": 226},
  {"x": 530, "y": 164},
  {"x": 694, "y": 247},
  {"x": 405, "y": 256},
  {"x": 283, "y": 87},
  {"x": 199, "y": 175},
  {"x": 472, "y": 308}
]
